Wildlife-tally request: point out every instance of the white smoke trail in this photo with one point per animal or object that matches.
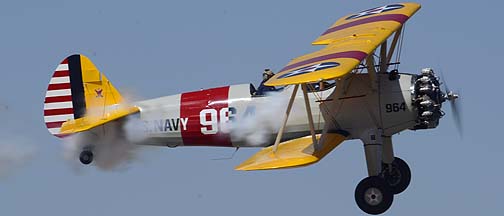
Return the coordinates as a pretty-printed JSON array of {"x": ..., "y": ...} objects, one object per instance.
[
  {"x": 114, "y": 145},
  {"x": 14, "y": 154},
  {"x": 257, "y": 129},
  {"x": 16, "y": 150}
]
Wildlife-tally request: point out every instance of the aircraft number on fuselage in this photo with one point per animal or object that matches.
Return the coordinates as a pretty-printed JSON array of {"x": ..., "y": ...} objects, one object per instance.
[
  {"x": 210, "y": 119},
  {"x": 395, "y": 107}
]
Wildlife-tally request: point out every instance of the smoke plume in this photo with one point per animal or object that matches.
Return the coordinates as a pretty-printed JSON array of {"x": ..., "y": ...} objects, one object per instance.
[
  {"x": 16, "y": 150},
  {"x": 14, "y": 154},
  {"x": 257, "y": 127},
  {"x": 114, "y": 145}
]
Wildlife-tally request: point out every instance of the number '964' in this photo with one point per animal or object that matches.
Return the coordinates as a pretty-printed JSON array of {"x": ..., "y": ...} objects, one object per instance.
[{"x": 395, "y": 107}]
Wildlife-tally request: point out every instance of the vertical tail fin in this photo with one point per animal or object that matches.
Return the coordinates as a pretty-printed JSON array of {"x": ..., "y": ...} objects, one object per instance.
[{"x": 77, "y": 88}]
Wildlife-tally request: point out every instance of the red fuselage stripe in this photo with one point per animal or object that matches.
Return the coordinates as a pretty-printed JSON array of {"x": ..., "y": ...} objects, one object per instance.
[{"x": 191, "y": 106}]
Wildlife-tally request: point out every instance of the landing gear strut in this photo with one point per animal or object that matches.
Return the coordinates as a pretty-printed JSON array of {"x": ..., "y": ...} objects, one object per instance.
[
  {"x": 388, "y": 175},
  {"x": 373, "y": 194},
  {"x": 86, "y": 157}
]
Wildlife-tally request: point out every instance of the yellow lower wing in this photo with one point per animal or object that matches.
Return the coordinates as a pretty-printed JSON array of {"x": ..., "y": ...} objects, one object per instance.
[{"x": 292, "y": 153}]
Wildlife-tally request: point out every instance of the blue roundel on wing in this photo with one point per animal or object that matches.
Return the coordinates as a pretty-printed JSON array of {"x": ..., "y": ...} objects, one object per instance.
[
  {"x": 377, "y": 10},
  {"x": 309, "y": 69}
]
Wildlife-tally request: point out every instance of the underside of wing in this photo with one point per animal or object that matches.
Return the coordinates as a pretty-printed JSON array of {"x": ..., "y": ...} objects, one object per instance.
[
  {"x": 349, "y": 41},
  {"x": 292, "y": 153},
  {"x": 91, "y": 121}
]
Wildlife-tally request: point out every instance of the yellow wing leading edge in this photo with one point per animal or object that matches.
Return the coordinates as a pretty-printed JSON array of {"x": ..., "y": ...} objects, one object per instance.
[
  {"x": 349, "y": 41},
  {"x": 292, "y": 153}
]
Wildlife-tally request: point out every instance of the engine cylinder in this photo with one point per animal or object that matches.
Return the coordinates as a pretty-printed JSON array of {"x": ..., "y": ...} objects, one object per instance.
[{"x": 427, "y": 99}]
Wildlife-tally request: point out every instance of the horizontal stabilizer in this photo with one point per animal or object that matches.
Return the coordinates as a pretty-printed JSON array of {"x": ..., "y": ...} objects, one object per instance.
[
  {"x": 292, "y": 153},
  {"x": 91, "y": 121}
]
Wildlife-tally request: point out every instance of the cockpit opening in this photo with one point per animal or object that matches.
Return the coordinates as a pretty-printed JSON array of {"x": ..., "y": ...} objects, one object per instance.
[{"x": 312, "y": 87}]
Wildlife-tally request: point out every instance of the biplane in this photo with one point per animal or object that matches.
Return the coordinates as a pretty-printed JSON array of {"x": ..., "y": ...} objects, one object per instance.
[{"x": 349, "y": 89}]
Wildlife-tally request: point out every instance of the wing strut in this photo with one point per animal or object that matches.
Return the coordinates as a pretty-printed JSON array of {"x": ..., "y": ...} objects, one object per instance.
[
  {"x": 304, "y": 88},
  {"x": 286, "y": 117},
  {"x": 394, "y": 44},
  {"x": 310, "y": 117},
  {"x": 371, "y": 71},
  {"x": 383, "y": 58}
]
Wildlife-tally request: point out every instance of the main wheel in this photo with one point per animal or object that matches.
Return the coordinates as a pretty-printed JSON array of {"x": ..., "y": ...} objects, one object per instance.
[
  {"x": 373, "y": 195},
  {"x": 86, "y": 157},
  {"x": 398, "y": 176}
]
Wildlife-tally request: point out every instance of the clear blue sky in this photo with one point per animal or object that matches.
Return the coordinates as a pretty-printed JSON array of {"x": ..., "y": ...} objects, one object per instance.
[{"x": 157, "y": 48}]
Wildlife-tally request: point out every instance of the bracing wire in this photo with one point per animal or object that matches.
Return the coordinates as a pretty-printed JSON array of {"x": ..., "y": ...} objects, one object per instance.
[
  {"x": 323, "y": 107},
  {"x": 399, "y": 48}
]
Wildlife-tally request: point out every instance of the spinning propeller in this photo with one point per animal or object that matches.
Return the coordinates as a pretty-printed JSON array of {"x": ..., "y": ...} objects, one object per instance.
[{"x": 455, "y": 104}]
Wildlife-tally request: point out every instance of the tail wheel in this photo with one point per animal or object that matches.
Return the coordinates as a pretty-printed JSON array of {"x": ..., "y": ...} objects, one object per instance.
[
  {"x": 373, "y": 195},
  {"x": 86, "y": 157},
  {"x": 397, "y": 176}
]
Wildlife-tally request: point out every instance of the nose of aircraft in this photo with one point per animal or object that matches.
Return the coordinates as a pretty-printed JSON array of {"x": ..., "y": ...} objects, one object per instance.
[{"x": 455, "y": 105}]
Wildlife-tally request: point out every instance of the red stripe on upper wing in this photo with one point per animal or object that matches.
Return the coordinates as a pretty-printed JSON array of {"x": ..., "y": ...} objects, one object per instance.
[
  {"x": 54, "y": 124},
  {"x": 400, "y": 18},
  {"x": 58, "y": 99},
  {"x": 65, "y": 61},
  {"x": 359, "y": 55},
  {"x": 58, "y": 86},
  {"x": 61, "y": 73},
  {"x": 191, "y": 105},
  {"x": 58, "y": 111}
]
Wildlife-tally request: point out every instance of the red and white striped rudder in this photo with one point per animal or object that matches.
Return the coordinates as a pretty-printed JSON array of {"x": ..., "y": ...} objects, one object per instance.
[{"x": 58, "y": 106}]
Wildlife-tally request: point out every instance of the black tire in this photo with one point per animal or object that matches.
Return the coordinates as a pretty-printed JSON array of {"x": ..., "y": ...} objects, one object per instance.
[
  {"x": 373, "y": 195},
  {"x": 86, "y": 157},
  {"x": 399, "y": 177}
]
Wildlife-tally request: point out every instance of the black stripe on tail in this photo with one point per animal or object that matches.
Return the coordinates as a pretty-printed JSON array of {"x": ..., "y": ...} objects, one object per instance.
[{"x": 77, "y": 86}]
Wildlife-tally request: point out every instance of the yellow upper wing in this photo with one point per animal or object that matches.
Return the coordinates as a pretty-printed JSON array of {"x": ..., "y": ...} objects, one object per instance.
[{"x": 350, "y": 40}]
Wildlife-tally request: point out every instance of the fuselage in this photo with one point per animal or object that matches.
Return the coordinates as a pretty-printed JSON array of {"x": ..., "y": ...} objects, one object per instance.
[
  {"x": 232, "y": 116},
  {"x": 229, "y": 116}
]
